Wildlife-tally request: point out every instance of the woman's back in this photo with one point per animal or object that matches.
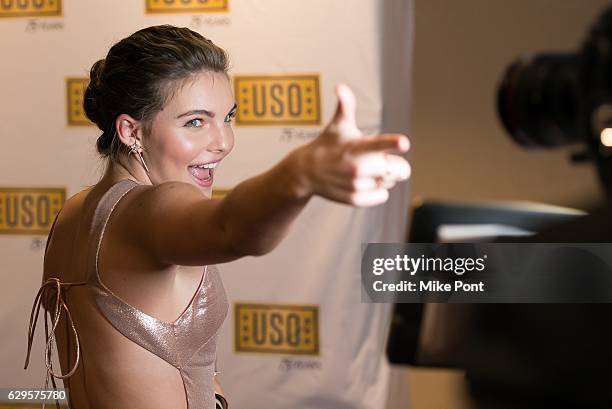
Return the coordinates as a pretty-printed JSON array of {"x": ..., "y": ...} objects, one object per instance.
[{"x": 147, "y": 333}]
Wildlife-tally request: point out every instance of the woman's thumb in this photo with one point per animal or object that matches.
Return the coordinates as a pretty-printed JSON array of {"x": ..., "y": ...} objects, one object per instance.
[{"x": 345, "y": 111}]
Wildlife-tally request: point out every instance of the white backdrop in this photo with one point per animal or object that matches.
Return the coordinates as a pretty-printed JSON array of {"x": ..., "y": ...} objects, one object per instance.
[{"x": 306, "y": 340}]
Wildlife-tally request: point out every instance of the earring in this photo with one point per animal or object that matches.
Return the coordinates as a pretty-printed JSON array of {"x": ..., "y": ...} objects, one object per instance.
[{"x": 137, "y": 150}]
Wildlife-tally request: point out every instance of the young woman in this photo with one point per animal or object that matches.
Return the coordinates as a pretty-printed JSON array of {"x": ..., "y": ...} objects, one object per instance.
[{"x": 129, "y": 262}]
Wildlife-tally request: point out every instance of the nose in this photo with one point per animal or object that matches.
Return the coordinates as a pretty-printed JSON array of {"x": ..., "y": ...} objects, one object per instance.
[{"x": 219, "y": 141}]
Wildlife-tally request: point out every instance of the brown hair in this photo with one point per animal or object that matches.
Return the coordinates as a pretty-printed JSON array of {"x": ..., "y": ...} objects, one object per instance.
[{"x": 141, "y": 73}]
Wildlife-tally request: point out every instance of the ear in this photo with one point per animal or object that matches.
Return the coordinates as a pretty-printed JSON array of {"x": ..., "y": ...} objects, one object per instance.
[{"x": 127, "y": 129}]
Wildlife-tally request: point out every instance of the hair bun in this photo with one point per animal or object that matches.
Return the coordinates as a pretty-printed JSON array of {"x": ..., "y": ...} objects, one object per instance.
[
  {"x": 92, "y": 99},
  {"x": 103, "y": 144}
]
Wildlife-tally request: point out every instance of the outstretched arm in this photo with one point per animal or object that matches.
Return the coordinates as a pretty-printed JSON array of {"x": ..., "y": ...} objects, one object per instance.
[{"x": 340, "y": 165}]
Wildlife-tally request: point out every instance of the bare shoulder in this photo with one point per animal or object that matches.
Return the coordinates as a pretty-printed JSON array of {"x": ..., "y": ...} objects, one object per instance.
[
  {"x": 146, "y": 203},
  {"x": 166, "y": 194},
  {"x": 173, "y": 222},
  {"x": 70, "y": 214},
  {"x": 60, "y": 240}
]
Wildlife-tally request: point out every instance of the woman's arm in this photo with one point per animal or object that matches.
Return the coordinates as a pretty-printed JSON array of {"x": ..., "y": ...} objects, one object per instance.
[
  {"x": 218, "y": 388},
  {"x": 221, "y": 401},
  {"x": 178, "y": 226}
]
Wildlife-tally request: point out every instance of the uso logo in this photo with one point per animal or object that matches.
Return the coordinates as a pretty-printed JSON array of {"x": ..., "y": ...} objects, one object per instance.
[
  {"x": 30, "y": 8},
  {"x": 75, "y": 89},
  {"x": 278, "y": 100},
  {"x": 277, "y": 329},
  {"x": 185, "y": 6},
  {"x": 29, "y": 210},
  {"x": 219, "y": 193}
]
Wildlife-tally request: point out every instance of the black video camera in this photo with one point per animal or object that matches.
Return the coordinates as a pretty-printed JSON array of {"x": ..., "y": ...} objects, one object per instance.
[{"x": 548, "y": 100}]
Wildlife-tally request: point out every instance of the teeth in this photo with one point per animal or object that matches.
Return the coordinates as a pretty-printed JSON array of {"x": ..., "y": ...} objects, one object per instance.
[{"x": 207, "y": 165}]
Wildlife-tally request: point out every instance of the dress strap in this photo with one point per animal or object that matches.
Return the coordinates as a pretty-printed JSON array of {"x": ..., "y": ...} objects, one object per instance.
[
  {"x": 44, "y": 295},
  {"x": 102, "y": 214},
  {"x": 51, "y": 233}
]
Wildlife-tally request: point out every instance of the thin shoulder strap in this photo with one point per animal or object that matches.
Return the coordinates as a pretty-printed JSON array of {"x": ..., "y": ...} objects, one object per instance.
[
  {"x": 102, "y": 214},
  {"x": 51, "y": 234}
]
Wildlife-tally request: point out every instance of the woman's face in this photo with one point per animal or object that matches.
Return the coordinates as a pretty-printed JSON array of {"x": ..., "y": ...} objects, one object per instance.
[{"x": 192, "y": 133}]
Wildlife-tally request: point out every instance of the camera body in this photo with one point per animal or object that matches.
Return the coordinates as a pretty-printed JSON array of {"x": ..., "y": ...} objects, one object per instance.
[{"x": 550, "y": 100}]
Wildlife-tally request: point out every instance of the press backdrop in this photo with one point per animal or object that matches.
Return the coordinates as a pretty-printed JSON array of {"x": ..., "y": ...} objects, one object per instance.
[{"x": 297, "y": 334}]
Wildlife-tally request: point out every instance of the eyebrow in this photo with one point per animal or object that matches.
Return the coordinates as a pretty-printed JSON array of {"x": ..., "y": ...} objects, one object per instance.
[{"x": 209, "y": 114}]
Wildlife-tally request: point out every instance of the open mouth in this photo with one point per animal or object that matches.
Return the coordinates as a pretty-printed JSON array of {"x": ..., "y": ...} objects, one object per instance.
[{"x": 203, "y": 173}]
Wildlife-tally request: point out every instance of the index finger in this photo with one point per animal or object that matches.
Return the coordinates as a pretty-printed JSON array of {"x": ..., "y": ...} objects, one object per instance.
[{"x": 383, "y": 142}]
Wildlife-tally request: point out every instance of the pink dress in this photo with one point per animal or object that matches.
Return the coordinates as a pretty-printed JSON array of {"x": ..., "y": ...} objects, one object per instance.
[{"x": 188, "y": 343}]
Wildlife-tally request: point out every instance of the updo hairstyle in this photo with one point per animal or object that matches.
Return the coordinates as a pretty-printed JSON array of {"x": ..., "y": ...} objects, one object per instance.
[{"x": 139, "y": 76}]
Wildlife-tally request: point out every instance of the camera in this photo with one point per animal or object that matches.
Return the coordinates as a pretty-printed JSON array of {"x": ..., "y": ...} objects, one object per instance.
[{"x": 557, "y": 99}]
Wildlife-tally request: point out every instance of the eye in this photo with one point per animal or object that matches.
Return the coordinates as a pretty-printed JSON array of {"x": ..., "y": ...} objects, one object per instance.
[
  {"x": 195, "y": 123},
  {"x": 230, "y": 116}
]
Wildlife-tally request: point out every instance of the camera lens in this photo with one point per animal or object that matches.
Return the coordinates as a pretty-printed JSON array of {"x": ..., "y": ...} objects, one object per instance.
[{"x": 537, "y": 100}]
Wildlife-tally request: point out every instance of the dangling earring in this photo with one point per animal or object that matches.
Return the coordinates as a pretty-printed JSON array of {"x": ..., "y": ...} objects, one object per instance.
[{"x": 137, "y": 150}]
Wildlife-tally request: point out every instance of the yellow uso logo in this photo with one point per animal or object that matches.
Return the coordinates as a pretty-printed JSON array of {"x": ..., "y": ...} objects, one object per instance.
[
  {"x": 277, "y": 329},
  {"x": 185, "y": 6},
  {"x": 219, "y": 193},
  {"x": 29, "y": 210},
  {"x": 30, "y": 8},
  {"x": 284, "y": 100},
  {"x": 75, "y": 90}
]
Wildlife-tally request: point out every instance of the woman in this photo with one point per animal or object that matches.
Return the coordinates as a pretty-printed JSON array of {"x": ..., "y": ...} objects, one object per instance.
[{"x": 130, "y": 261}]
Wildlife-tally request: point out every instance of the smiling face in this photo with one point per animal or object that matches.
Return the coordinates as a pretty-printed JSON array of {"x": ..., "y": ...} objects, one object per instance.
[{"x": 193, "y": 132}]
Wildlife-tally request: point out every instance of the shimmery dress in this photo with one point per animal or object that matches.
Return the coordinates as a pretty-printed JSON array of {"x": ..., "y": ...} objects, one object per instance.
[{"x": 188, "y": 343}]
